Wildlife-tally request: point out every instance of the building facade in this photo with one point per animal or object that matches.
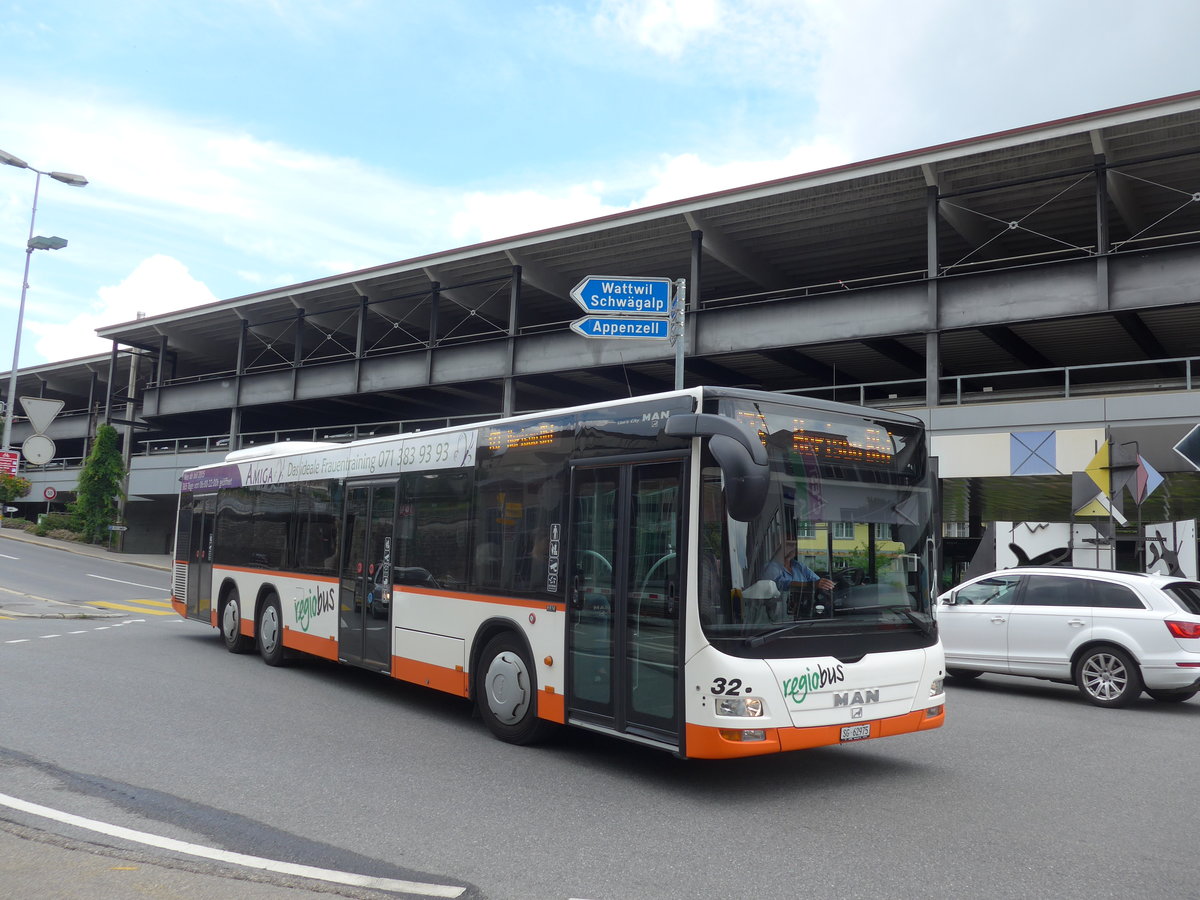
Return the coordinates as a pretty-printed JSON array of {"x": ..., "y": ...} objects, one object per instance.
[{"x": 1033, "y": 295}]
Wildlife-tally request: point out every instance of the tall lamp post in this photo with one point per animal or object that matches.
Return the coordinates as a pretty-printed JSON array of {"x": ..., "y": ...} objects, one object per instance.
[{"x": 33, "y": 243}]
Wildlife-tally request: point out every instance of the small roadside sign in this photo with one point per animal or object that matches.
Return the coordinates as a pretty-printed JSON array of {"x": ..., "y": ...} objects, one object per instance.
[
  {"x": 118, "y": 527},
  {"x": 8, "y": 461},
  {"x": 622, "y": 327},
  {"x": 617, "y": 295},
  {"x": 50, "y": 493}
]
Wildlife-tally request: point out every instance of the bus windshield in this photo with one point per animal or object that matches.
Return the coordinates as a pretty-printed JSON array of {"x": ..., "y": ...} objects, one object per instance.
[{"x": 838, "y": 556}]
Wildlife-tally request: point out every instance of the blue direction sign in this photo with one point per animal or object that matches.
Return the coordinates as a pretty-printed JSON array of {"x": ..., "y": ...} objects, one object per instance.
[
  {"x": 618, "y": 296},
  {"x": 621, "y": 327}
]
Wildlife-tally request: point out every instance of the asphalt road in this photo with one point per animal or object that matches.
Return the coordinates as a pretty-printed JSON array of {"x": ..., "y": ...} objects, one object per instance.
[{"x": 145, "y": 722}]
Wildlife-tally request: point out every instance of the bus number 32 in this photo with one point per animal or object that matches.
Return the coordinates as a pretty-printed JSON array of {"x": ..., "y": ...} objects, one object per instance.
[{"x": 730, "y": 687}]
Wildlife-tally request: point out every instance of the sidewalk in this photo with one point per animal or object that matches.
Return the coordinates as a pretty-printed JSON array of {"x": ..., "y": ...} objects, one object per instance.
[{"x": 22, "y": 605}]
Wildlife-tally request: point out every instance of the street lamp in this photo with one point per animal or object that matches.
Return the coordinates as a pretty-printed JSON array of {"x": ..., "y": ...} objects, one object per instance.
[{"x": 33, "y": 243}]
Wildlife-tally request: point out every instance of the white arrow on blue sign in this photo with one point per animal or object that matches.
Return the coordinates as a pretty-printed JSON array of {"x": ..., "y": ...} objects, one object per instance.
[
  {"x": 618, "y": 296},
  {"x": 621, "y": 327}
]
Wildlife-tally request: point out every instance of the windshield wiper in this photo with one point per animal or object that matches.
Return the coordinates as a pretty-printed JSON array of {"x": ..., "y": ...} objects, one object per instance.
[{"x": 759, "y": 639}]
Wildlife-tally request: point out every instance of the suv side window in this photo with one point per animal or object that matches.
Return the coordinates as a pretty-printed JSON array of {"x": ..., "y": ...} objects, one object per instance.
[
  {"x": 1056, "y": 590},
  {"x": 998, "y": 589},
  {"x": 1115, "y": 596}
]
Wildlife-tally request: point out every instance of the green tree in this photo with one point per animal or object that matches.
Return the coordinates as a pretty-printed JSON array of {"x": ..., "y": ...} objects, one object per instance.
[
  {"x": 100, "y": 480},
  {"x": 13, "y": 487}
]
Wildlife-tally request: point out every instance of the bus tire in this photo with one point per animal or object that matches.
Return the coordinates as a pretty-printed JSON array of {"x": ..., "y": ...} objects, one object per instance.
[
  {"x": 270, "y": 632},
  {"x": 506, "y": 691},
  {"x": 231, "y": 624}
]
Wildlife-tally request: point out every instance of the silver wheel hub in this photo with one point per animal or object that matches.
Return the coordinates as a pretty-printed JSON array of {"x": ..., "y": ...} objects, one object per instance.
[
  {"x": 506, "y": 684},
  {"x": 232, "y": 619},
  {"x": 1105, "y": 676},
  {"x": 270, "y": 629}
]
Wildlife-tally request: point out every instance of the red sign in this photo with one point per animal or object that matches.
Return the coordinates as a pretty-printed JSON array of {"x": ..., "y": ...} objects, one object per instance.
[
  {"x": 8, "y": 461},
  {"x": 49, "y": 493}
]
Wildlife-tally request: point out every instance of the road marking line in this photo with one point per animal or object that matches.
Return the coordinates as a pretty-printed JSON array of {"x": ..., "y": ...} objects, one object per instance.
[
  {"x": 77, "y": 632},
  {"x": 44, "y": 636},
  {"x": 6, "y": 556},
  {"x": 18, "y": 641},
  {"x": 228, "y": 856},
  {"x": 138, "y": 609},
  {"x": 152, "y": 587}
]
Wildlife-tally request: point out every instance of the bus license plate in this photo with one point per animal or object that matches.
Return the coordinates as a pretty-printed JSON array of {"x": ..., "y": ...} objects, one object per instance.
[{"x": 855, "y": 732}]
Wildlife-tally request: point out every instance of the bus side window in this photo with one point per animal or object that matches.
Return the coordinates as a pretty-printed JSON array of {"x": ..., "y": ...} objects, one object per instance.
[{"x": 441, "y": 514}]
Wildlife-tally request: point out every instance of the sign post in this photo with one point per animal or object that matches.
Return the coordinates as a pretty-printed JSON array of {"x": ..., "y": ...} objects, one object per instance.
[{"x": 639, "y": 308}]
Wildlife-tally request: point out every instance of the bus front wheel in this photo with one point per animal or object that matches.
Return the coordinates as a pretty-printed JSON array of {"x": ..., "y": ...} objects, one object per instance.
[
  {"x": 231, "y": 624},
  {"x": 270, "y": 632},
  {"x": 506, "y": 692}
]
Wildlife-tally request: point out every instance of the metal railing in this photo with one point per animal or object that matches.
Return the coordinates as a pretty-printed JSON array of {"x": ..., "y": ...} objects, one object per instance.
[{"x": 1057, "y": 383}]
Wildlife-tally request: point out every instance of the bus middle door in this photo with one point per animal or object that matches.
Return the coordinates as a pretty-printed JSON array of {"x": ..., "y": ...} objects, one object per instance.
[
  {"x": 624, "y": 585},
  {"x": 199, "y": 559},
  {"x": 365, "y": 592}
]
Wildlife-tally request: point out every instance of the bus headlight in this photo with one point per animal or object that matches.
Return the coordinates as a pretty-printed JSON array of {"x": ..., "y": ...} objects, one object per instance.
[
  {"x": 935, "y": 687},
  {"x": 741, "y": 706}
]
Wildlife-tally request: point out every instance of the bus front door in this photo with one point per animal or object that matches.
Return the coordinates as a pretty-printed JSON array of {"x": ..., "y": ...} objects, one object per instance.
[
  {"x": 625, "y": 576},
  {"x": 200, "y": 546},
  {"x": 365, "y": 592}
]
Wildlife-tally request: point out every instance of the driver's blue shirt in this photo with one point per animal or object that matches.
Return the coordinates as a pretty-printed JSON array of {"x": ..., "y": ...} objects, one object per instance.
[{"x": 783, "y": 577}]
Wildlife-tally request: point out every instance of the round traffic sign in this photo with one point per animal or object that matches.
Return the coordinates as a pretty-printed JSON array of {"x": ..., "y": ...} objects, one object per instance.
[
  {"x": 49, "y": 493},
  {"x": 38, "y": 449}
]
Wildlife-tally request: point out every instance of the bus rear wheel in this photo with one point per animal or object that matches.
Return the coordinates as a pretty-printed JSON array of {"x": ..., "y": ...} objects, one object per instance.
[
  {"x": 506, "y": 692},
  {"x": 231, "y": 624},
  {"x": 270, "y": 632}
]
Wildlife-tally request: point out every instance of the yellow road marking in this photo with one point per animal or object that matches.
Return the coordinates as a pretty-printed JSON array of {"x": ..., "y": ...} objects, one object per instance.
[
  {"x": 127, "y": 608},
  {"x": 165, "y": 604}
]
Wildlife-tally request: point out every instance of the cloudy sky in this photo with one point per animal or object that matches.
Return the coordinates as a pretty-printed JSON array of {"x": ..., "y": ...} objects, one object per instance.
[{"x": 238, "y": 145}]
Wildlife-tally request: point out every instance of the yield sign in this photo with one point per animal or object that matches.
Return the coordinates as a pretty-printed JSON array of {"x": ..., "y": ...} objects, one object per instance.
[{"x": 41, "y": 412}]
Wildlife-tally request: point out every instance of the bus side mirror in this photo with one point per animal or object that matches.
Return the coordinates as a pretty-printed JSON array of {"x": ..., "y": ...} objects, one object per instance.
[{"x": 740, "y": 454}]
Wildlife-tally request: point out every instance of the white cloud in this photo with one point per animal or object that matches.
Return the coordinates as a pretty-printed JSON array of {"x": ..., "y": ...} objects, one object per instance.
[
  {"x": 482, "y": 216},
  {"x": 688, "y": 175},
  {"x": 159, "y": 284},
  {"x": 666, "y": 27}
]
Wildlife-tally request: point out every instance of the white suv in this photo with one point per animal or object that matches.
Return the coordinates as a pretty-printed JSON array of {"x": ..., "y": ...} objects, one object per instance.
[{"x": 1114, "y": 634}]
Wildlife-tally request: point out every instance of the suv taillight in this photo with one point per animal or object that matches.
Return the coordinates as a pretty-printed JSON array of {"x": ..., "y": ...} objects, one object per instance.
[{"x": 1184, "y": 629}]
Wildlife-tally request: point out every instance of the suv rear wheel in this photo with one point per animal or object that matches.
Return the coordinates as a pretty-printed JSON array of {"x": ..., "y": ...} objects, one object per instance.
[{"x": 1107, "y": 676}]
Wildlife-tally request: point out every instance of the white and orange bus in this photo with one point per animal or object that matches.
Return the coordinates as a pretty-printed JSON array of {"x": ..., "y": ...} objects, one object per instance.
[{"x": 615, "y": 567}]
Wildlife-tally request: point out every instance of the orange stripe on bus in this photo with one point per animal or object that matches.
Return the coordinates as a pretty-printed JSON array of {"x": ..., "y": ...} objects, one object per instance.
[
  {"x": 452, "y": 681},
  {"x": 478, "y": 598},
  {"x": 552, "y": 706},
  {"x": 707, "y": 742},
  {"x": 324, "y": 647},
  {"x": 277, "y": 573}
]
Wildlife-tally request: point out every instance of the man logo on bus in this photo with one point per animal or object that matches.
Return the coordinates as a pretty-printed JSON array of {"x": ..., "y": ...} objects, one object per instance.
[{"x": 857, "y": 698}]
